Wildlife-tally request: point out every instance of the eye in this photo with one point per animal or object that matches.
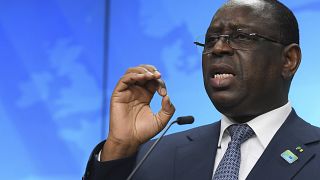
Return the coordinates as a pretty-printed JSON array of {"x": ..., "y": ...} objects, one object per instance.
[
  {"x": 211, "y": 40},
  {"x": 241, "y": 37}
]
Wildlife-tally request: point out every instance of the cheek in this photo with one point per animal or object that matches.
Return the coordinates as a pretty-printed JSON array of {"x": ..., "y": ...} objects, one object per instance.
[
  {"x": 205, "y": 64},
  {"x": 261, "y": 73},
  {"x": 205, "y": 61}
]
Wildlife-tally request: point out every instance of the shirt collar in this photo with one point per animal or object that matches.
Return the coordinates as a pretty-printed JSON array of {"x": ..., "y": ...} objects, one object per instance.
[{"x": 265, "y": 126}]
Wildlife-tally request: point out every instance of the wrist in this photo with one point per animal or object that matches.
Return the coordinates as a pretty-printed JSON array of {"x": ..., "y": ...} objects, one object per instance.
[{"x": 113, "y": 150}]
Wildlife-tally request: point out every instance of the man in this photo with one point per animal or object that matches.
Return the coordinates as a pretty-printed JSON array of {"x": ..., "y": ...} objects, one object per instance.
[{"x": 250, "y": 56}]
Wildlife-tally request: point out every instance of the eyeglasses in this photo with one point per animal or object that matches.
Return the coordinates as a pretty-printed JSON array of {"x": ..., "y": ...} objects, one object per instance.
[{"x": 238, "y": 40}]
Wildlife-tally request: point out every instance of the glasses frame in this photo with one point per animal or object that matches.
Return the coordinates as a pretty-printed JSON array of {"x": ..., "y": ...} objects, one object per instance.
[{"x": 254, "y": 36}]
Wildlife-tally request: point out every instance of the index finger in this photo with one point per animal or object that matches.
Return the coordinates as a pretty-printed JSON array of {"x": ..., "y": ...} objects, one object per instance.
[{"x": 151, "y": 69}]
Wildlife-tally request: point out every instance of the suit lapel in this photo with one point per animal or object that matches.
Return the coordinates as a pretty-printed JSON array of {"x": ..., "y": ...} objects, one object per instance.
[
  {"x": 293, "y": 133},
  {"x": 195, "y": 160}
]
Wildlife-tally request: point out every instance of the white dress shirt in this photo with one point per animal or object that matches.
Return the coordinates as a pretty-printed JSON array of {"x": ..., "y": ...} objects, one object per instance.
[{"x": 265, "y": 127}]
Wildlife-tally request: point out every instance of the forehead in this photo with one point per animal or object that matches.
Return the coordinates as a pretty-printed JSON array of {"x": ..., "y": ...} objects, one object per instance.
[{"x": 255, "y": 16}]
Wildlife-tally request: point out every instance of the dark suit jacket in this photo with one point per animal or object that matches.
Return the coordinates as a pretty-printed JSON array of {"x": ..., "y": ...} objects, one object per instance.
[{"x": 190, "y": 155}]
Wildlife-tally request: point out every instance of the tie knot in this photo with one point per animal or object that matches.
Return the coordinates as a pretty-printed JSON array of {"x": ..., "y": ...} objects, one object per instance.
[{"x": 240, "y": 132}]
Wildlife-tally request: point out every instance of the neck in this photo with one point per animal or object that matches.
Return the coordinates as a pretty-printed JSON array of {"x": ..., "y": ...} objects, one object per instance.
[{"x": 248, "y": 117}]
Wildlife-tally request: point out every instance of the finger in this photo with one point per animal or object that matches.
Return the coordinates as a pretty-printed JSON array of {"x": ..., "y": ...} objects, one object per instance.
[
  {"x": 151, "y": 69},
  {"x": 166, "y": 112},
  {"x": 132, "y": 79},
  {"x": 141, "y": 75},
  {"x": 144, "y": 69},
  {"x": 152, "y": 86},
  {"x": 157, "y": 85},
  {"x": 161, "y": 89}
]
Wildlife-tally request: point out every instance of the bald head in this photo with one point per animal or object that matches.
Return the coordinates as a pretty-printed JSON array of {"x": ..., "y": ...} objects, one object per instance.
[
  {"x": 258, "y": 5},
  {"x": 277, "y": 15}
]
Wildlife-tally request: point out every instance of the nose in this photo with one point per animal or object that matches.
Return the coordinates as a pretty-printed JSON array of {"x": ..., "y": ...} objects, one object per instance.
[{"x": 222, "y": 47}]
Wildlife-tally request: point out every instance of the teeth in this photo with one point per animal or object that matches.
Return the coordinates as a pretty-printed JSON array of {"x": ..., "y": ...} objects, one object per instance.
[{"x": 220, "y": 76}]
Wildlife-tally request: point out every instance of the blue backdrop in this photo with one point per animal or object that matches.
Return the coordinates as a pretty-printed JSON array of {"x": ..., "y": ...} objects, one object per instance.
[{"x": 51, "y": 75}]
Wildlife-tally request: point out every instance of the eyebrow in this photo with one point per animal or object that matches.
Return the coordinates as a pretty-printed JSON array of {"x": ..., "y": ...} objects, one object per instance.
[{"x": 233, "y": 27}]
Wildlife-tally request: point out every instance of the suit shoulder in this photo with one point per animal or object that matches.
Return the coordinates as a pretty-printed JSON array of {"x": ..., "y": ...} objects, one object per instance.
[
  {"x": 183, "y": 137},
  {"x": 195, "y": 133},
  {"x": 311, "y": 128}
]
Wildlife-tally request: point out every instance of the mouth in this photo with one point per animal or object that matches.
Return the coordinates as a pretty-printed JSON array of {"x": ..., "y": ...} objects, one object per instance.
[{"x": 221, "y": 76}]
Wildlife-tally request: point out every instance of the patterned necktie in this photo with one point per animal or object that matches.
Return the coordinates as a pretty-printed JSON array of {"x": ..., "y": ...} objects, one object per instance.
[{"x": 228, "y": 168}]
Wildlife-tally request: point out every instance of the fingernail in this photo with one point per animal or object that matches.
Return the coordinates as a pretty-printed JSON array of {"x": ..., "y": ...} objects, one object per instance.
[
  {"x": 163, "y": 91},
  {"x": 156, "y": 72}
]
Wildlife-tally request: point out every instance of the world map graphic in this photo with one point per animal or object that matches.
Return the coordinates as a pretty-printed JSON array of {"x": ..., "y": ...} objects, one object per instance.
[{"x": 52, "y": 73}]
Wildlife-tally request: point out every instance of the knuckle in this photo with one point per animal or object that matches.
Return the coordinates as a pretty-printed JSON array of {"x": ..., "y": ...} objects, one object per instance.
[
  {"x": 149, "y": 67},
  {"x": 153, "y": 68},
  {"x": 144, "y": 69},
  {"x": 161, "y": 83}
]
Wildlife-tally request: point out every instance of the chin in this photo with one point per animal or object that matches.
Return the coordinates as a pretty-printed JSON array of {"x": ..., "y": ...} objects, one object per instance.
[
  {"x": 227, "y": 103},
  {"x": 225, "y": 98},
  {"x": 237, "y": 109}
]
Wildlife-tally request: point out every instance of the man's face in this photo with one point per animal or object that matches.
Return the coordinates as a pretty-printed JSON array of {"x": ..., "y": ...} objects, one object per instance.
[{"x": 253, "y": 83}]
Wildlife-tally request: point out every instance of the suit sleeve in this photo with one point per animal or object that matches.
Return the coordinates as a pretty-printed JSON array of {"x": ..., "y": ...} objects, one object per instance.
[{"x": 113, "y": 170}]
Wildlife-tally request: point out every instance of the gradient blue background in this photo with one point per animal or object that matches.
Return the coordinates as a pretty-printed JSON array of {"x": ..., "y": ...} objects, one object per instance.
[{"x": 51, "y": 73}]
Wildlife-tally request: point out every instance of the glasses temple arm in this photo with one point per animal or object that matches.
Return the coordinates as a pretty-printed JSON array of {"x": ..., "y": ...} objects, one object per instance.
[{"x": 198, "y": 43}]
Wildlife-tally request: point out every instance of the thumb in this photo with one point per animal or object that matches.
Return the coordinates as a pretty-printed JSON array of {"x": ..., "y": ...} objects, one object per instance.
[{"x": 166, "y": 112}]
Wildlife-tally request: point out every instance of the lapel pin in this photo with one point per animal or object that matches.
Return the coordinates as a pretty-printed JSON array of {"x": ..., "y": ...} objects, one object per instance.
[
  {"x": 299, "y": 149},
  {"x": 289, "y": 156}
]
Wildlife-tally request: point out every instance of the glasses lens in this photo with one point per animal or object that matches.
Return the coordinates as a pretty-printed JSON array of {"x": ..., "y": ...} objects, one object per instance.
[
  {"x": 210, "y": 42},
  {"x": 237, "y": 40},
  {"x": 242, "y": 41}
]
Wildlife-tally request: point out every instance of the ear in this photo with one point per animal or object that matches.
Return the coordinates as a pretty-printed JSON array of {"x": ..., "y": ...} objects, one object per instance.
[{"x": 292, "y": 59}]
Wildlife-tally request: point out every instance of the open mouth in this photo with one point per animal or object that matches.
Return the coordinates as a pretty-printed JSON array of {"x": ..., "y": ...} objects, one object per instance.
[
  {"x": 221, "y": 71},
  {"x": 221, "y": 75}
]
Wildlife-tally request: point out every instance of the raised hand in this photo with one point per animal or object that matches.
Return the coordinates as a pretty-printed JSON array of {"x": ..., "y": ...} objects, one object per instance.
[{"x": 132, "y": 121}]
